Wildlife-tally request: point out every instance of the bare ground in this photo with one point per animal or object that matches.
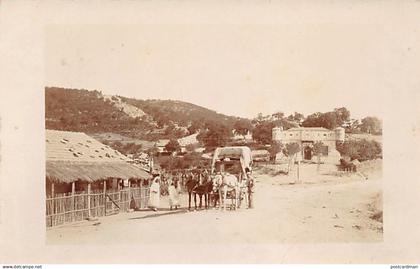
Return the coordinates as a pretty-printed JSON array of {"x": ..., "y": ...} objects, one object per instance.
[{"x": 321, "y": 208}]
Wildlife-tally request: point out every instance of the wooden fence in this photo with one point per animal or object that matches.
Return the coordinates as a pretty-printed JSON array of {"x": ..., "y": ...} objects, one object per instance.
[{"x": 70, "y": 207}]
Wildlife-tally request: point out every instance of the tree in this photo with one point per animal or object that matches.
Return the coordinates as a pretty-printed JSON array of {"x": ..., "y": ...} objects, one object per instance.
[
  {"x": 290, "y": 151},
  {"x": 173, "y": 146},
  {"x": 371, "y": 125},
  {"x": 352, "y": 126},
  {"x": 348, "y": 148},
  {"x": 360, "y": 149},
  {"x": 278, "y": 115},
  {"x": 217, "y": 135},
  {"x": 285, "y": 123},
  {"x": 368, "y": 150},
  {"x": 275, "y": 148},
  {"x": 329, "y": 120},
  {"x": 242, "y": 126},
  {"x": 318, "y": 151},
  {"x": 194, "y": 127},
  {"x": 263, "y": 132},
  {"x": 193, "y": 159},
  {"x": 260, "y": 117},
  {"x": 131, "y": 148},
  {"x": 170, "y": 128},
  {"x": 312, "y": 120},
  {"x": 296, "y": 117},
  {"x": 343, "y": 115}
]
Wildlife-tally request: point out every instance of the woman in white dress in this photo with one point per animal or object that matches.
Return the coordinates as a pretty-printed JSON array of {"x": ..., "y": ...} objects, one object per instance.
[
  {"x": 173, "y": 194},
  {"x": 155, "y": 194}
]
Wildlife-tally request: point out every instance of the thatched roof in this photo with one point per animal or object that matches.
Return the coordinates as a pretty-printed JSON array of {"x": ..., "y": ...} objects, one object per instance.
[{"x": 72, "y": 156}]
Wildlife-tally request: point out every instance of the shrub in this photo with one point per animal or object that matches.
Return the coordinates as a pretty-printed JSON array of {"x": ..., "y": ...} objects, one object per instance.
[
  {"x": 361, "y": 150},
  {"x": 291, "y": 149},
  {"x": 275, "y": 148}
]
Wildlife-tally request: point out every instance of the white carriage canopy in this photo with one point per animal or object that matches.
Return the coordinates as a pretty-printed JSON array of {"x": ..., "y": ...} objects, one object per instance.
[{"x": 243, "y": 154}]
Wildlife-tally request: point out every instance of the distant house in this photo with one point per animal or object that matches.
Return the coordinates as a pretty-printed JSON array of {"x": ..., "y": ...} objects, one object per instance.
[
  {"x": 187, "y": 140},
  {"x": 183, "y": 142},
  {"x": 143, "y": 159},
  {"x": 161, "y": 144},
  {"x": 238, "y": 137},
  {"x": 200, "y": 150},
  {"x": 306, "y": 137}
]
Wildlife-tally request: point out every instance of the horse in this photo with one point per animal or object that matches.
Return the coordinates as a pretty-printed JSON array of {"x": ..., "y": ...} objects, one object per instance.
[
  {"x": 201, "y": 185},
  {"x": 204, "y": 188},
  {"x": 191, "y": 184},
  {"x": 226, "y": 184}
]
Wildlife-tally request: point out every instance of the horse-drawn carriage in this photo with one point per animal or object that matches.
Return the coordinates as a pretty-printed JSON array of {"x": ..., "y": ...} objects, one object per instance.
[
  {"x": 226, "y": 180},
  {"x": 229, "y": 172}
]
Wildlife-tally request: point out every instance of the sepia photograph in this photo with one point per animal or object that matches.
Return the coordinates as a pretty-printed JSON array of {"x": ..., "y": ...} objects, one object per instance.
[
  {"x": 147, "y": 141},
  {"x": 142, "y": 133}
]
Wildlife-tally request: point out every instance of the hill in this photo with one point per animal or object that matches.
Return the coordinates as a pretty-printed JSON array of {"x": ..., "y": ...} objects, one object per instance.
[
  {"x": 92, "y": 112},
  {"x": 180, "y": 113},
  {"x": 149, "y": 120}
]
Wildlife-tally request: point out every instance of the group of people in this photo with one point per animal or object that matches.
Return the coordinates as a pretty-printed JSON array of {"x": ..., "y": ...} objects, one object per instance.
[{"x": 174, "y": 191}]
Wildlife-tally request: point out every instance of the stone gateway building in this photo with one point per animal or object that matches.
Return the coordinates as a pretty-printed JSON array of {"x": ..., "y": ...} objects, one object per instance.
[{"x": 306, "y": 137}]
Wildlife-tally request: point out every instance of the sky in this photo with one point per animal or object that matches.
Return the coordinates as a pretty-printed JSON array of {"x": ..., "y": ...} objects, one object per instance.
[{"x": 238, "y": 70}]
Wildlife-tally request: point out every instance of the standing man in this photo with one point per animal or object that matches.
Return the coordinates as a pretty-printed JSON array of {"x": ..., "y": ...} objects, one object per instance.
[
  {"x": 250, "y": 187},
  {"x": 155, "y": 193}
]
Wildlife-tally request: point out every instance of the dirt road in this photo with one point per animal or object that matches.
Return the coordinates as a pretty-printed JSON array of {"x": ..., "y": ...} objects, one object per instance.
[{"x": 329, "y": 210}]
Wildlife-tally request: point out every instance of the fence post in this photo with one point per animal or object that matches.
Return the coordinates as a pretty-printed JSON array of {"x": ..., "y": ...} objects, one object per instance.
[
  {"x": 53, "y": 205},
  {"x": 298, "y": 170},
  {"x": 104, "y": 197},
  {"x": 73, "y": 203},
  {"x": 129, "y": 193},
  {"x": 88, "y": 196},
  {"x": 140, "y": 193},
  {"x": 119, "y": 192}
]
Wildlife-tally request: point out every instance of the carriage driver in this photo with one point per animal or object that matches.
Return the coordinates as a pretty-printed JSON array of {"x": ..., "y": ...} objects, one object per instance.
[{"x": 250, "y": 187}]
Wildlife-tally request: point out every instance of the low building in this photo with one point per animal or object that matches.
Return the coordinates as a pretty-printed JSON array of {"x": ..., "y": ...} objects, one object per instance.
[
  {"x": 142, "y": 159},
  {"x": 183, "y": 143},
  {"x": 306, "y": 137},
  {"x": 187, "y": 141},
  {"x": 239, "y": 137},
  {"x": 161, "y": 144},
  {"x": 85, "y": 178}
]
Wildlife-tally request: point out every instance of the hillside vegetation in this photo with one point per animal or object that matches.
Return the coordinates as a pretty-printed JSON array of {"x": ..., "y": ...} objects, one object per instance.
[
  {"x": 92, "y": 112},
  {"x": 149, "y": 120},
  {"x": 178, "y": 112}
]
